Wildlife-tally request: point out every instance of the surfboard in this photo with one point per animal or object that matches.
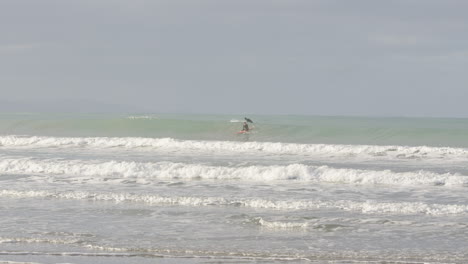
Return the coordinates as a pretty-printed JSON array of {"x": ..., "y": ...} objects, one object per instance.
[{"x": 245, "y": 132}]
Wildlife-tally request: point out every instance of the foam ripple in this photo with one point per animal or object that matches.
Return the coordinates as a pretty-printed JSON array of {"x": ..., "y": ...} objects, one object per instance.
[
  {"x": 393, "y": 152},
  {"x": 280, "y": 224},
  {"x": 146, "y": 172},
  {"x": 365, "y": 207}
]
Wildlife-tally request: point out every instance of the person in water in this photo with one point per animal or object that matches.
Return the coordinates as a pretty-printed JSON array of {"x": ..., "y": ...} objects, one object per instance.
[{"x": 245, "y": 127}]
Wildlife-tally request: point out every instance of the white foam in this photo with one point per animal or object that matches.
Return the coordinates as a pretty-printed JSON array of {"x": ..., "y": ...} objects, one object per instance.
[
  {"x": 195, "y": 255},
  {"x": 5, "y": 240},
  {"x": 281, "y": 224},
  {"x": 150, "y": 117},
  {"x": 365, "y": 207},
  {"x": 369, "y": 151},
  {"x": 16, "y": 262},
  {"x": 144, "y": 172}
]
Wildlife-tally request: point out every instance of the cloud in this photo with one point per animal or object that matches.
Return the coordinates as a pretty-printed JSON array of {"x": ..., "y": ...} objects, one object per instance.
[
  {"x": 16, "y": 48},
  {"x": 398, "y": 40},
  {"x": 451, "y": 56}
]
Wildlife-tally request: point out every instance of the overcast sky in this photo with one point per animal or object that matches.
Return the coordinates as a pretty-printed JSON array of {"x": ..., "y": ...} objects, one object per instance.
[{"x": 319, "y": 57}]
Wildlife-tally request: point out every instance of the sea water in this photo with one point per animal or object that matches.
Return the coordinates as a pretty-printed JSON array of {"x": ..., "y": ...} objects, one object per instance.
[{"x": 160, "y": 188}]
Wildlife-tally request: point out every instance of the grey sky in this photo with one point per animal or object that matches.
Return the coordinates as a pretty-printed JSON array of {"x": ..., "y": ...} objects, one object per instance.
[{"x": 399, "y": 58}]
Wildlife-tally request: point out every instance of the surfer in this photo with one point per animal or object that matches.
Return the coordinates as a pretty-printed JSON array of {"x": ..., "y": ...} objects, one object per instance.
[{"x": 245, "y": 128}]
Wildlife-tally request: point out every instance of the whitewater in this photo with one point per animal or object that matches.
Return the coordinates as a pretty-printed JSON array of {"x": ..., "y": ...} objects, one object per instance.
[{"x": 174, "y": 188}]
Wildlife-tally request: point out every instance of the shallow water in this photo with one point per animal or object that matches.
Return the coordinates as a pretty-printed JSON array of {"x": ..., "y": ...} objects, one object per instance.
[{"x": 81, "y": 196}]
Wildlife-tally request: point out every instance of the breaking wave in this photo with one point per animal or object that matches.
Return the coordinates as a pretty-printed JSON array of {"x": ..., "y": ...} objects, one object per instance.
[
  {"x": 135, "y": 143},
  {"x": 144, "y": 172},
  {"x": 365, "y": 207}
]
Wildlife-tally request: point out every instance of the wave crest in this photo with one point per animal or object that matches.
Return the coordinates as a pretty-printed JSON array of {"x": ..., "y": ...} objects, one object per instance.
[
  {"x": 365, "y": 207},
  {"x": 393, "y": 152},
  {"x": 140, "y": 172}
]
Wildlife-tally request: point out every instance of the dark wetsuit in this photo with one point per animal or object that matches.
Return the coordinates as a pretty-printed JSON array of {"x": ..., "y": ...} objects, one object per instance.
[{"x": 245, "y": 127}]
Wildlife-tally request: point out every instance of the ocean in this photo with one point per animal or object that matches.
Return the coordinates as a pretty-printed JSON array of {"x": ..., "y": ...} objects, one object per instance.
[{"x": 174, "y": 188}]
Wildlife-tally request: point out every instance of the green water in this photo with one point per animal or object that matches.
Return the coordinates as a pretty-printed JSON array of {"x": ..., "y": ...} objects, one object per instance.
[{"x": 451, "y": 132}]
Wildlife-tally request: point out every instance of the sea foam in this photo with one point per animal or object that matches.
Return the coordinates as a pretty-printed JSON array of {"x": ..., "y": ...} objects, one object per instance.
[
  {"x": 146, "y": 172},
  {"x": 365, "y": 207},
  {"x": 155, "y": 144}
]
